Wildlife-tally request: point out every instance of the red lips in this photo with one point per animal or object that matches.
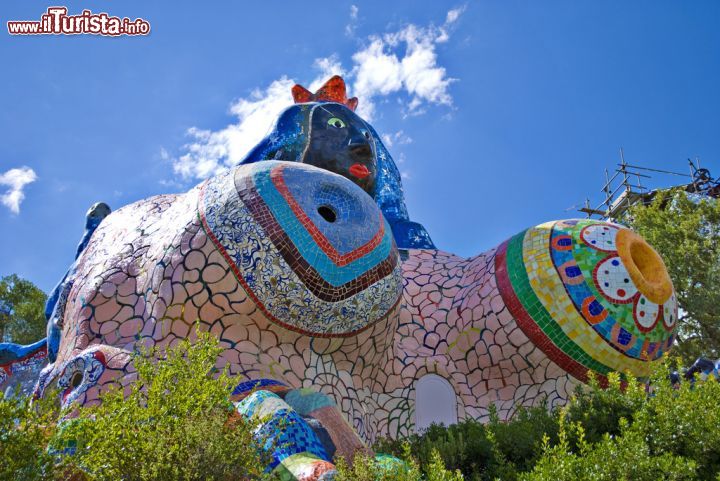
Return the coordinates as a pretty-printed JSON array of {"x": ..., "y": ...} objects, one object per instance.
[{"x": 359, "y": 171}]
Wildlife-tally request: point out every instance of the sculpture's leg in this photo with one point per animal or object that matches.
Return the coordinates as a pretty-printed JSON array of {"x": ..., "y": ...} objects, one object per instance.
[
  {"x": 321, "y": 408},
  {"x": 295, "y": 451}
]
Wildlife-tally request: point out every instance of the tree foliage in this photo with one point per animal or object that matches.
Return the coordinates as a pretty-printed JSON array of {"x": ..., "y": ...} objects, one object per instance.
[
  {"x": 685, "y": 230},
  {"x": 22, "y": 311}
]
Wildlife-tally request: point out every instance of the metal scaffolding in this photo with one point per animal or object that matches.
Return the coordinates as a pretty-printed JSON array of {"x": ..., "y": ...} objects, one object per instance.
[{"x": 625, "y": 187}]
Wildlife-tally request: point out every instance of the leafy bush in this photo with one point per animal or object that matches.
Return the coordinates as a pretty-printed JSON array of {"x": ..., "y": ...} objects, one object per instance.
[
  {"x": 483, "y": 452},
  {"x": 518, "y": 442},
  {"x": 25, "y": 431},
  {"x": 464, "y": 446},
  {"x": 176, "y": 424},
  {"x": 625, "y": 431},
  {"x": 366, "y": 468},
  {"x": 599, "y": 411},
  {"x": 672, "y": 433},
  {"x": 624, "y": 457}
]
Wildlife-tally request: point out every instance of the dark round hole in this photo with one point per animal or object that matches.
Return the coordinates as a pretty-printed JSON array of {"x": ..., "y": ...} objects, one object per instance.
[
  {"x": 76, "y": 380},
  {"x": 327, "y": 213}
]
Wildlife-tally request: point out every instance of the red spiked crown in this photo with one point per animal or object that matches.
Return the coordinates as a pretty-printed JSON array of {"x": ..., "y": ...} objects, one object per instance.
[{"x": 332, "y": 91}]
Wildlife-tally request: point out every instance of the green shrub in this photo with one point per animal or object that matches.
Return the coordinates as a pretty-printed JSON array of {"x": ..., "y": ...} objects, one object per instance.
[
  {"x": 670, "y": 433},
  {"x": 684, "y": 421},
  {"x": 519, "y": 441},
  {"x": 176, "y": 424},
  {"x": 624, "y": 431},
  {"x": 366, "y": 468},
  {"x": 623, "y": 457},
  {"x": 462, "y": 446},
  {"x": 600, "y": 410},
  {"x": 483, "y": 452},
  {"x": 25, "y": 431}
]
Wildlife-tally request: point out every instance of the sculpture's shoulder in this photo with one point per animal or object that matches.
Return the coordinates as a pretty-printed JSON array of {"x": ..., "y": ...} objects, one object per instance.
[
  {"x": 416, "y": 261},
  {"x": 150, "y": 215},
  {"x": 139, "y": 233}
]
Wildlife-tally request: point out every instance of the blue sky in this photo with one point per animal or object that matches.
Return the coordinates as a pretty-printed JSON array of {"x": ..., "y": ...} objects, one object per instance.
[{"x": 501, "y": 115}]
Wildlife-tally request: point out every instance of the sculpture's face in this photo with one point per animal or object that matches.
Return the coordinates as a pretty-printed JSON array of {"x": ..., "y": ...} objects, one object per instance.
[{"x": 341, "y": 142}]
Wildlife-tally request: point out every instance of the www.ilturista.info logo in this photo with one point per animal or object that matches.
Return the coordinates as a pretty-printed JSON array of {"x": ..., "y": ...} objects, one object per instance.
[{"x": 57, "y": 22}]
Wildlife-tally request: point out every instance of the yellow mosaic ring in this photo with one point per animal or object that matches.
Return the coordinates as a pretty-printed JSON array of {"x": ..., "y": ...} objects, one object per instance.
[{"x": 593, "y": 295}]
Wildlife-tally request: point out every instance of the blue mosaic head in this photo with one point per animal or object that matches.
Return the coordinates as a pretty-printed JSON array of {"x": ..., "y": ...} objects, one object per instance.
[{"x": 323, "y": 130}]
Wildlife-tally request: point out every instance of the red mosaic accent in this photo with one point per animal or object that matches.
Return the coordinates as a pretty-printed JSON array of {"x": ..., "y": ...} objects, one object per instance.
[
  {"x": 593, "y": 319},
  {"x": 333, "y": 90},
  {"x": 557, "y": 246},
  {"x": 255, "y": 299},
  {"x": 530, "y": 327},
  {"x": 597, "y": 284},
  {"x": 309, "y": 276},
  {"x": 636, "y": 313},
  {"x": 339, "y": 259}
]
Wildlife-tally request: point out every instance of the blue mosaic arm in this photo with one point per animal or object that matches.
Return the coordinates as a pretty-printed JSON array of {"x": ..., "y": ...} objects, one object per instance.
[
  {"x": 19, "y": 365},
  {"x": 11, "y": 352},
  {"x": 390, "y": 197},
  {"x": 55, "y": 305}
]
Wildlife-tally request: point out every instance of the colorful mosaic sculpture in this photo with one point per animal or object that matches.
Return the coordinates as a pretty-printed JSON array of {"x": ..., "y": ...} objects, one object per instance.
[{"x": 297, "y": 269}]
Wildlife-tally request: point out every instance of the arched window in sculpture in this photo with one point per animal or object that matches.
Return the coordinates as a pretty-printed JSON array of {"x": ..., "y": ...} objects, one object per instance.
[{"x": 435, "y": 402}]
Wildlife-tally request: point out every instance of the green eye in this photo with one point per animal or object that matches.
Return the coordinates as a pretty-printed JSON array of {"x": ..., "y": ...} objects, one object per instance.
[{"x": 336, "y": 122}]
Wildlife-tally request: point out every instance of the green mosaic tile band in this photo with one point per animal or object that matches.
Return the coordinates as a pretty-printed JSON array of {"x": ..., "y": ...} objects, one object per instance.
[{"x": 517, "y": 274}]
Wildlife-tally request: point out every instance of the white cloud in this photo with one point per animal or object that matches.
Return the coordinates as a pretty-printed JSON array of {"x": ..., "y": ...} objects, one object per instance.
[
  {"x": 209, "y": 151},
  {"x": 350, "y": 28},
  {"x": 404, "y": 62},
  {"x": 399, "y": 138},
  {"x": 453, "y": 15},
  {"x": 327, "y": 67},
  {"x": 16, "y": 180}
]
